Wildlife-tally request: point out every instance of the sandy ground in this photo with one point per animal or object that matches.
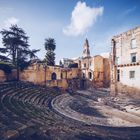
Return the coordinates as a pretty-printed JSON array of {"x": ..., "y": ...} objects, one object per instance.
[{"x": 116, "y": 111}]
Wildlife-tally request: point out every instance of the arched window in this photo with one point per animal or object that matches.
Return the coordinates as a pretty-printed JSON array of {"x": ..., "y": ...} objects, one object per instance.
[
  {"x": 90, "y": 75},
  {"x": 53, "y": 77}
]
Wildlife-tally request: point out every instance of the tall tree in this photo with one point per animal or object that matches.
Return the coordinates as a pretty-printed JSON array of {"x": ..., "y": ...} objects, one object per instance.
[
  {"x": 16, "y": 45},
  {"x": 2, "y": 56},
  {"x": 50, "y": 46}
]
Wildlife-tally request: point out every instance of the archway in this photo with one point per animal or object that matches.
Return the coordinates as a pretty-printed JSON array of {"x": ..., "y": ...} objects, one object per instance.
[
  {"x": 53, "y": 77},
  {"x": 90, "y": 75}
]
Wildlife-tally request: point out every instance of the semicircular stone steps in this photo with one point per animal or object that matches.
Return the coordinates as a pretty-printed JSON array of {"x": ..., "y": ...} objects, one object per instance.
[{"x": 27, "y": 107}]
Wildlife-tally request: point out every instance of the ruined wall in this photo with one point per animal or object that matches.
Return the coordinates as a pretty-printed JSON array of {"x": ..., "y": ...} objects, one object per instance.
[
  {"x": 121, "y": 88},
  {"x": 73, "y": 73},
  {"x": 106, "y": 81},
  {"x": 101, "y": 71},
  {"x": 98, "y": 71},
  {"x": 39, "y": 74},
  {"x": 33, "y": 74},
  {"x": 2, "y": 76},
  {"x": 7, "y": 77},
  {"x": 98, "y": 63},
  {"x": 43, "y": 75},
  {"x": 58, "y": 83}
]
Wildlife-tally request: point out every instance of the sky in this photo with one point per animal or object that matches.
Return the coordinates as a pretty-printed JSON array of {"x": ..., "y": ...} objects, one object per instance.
[{"x": 70, "y": 22}]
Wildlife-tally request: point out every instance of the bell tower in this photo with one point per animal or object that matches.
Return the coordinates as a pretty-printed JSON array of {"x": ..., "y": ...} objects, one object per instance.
[{"x": 86, "y": 51}]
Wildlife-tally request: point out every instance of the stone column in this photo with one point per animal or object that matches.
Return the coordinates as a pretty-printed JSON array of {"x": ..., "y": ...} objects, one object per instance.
[{"x": 113, "y": 71}]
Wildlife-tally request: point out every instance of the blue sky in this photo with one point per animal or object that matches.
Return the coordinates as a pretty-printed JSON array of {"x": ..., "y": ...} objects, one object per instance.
[{"x": 69, "y": 22}]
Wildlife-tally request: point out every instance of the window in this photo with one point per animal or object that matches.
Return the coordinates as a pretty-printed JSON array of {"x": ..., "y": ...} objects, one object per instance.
[
  {"x": 90, "y": 75},
  {"x": 118, "y": 75},
  {"x": 132, "y": 74},
  {"x": 133, "y": 43},
  {"x": 117, "y": 60},
  {"x": 133, "y": 57},
  {"x": 84, "y": 64},
  {"x": 90, "y": 63}
]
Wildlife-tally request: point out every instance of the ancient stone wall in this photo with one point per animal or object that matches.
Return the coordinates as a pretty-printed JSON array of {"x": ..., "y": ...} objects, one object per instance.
[
  {"x": 98, "y": 71},
  {"x": 58, "y": 76},
  {"x": 106, "y": 80},
  {"x": 127, "y": 89},
  {"x": 7, "y": 77},
  {"x": 43, "y": 75},
  {"x": 2, "y": 76},
  {"x": 58, "y": 83}
]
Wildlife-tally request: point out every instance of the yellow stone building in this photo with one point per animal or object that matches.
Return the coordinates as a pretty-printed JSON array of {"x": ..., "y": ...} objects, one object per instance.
[
  {"x": 94, "y": 68},
  {"x": 88, "y": 71}
]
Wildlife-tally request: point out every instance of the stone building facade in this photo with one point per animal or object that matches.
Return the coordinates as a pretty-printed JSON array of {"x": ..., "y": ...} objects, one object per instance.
[
  {"x": 125, "y": 62},
  {"x": 94, "y": 68}
]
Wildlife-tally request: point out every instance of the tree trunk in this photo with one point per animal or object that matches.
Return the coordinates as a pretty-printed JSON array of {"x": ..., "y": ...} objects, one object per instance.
[{"x": 17, "y": 65}]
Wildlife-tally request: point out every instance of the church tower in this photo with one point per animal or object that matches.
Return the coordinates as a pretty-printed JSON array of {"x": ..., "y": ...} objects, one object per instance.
[{"x": 86, "y": 51}]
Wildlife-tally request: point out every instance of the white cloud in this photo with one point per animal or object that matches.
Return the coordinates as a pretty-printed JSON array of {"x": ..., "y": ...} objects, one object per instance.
[
  {"x": 11, "y": 21},
  {"x": 82, "y": 18}
]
